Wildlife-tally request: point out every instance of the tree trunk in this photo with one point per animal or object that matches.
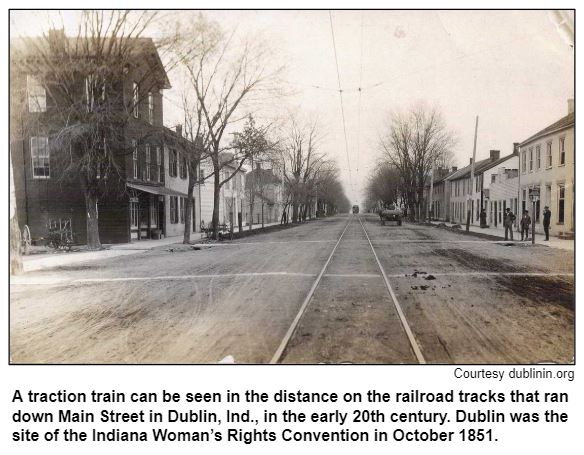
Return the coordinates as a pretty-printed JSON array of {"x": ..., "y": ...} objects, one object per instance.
[
  {"x": 251, "y": 203},
  {"x": 93, "y": 242},
  {"x": 294, "y": 211},
  {"x": 189, "y": 210},
  {"x": 216, "y": 198},
  {"x": 262, "y": 212}
]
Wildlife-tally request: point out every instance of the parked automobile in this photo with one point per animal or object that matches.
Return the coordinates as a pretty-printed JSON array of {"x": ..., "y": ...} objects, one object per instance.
[{"x": 390, "y": 213}]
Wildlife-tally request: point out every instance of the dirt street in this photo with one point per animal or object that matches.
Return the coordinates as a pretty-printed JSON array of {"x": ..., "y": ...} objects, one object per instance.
[{"x": 466, "y": 300}]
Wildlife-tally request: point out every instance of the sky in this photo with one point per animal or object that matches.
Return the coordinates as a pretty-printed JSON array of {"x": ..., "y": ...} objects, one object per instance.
[{"x": 512, "y": 69}]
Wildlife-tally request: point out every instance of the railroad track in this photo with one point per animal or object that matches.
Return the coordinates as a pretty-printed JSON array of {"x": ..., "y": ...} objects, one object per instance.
[{"x": 278, "y": 355}]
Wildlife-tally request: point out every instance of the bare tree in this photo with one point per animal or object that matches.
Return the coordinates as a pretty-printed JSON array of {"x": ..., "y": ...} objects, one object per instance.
[
  {"x": 224, "y": 72},
  {"x": 300, "y": 161},
  {"x": 383, "y": 186},
  {"x": 194, "y": 150},
  {"x": 416, "y": 141},
  {"x": 329, "y": 195},
  {"x": 254, "y": 142},
  {"x": 85, "y": 77}
]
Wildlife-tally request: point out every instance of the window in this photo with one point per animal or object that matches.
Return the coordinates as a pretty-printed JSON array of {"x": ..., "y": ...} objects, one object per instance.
[
  {"x": 183, "y": 167},
  {"x": 37, "y": 95},
  {"x": 153, "y": 213},
  {"x": 201, "y": 174},
  {"x": 561, "y": 203},
  {"x": 493, "y": 178},
  {"x": 172, "y": 166},
  {"x": 523, "y": 161},
  {"x": 530, "y": 159},
  {"x": 147, "y": 170},
  {"x": 135, "y": 158},
  {"x": 182, "y": 209},
  {"x": 40, "y": 157},
  {"x": 134, "y": 212},
  {"x": 535, "y": 218},
  {"x": 150, "y": 107},
  {"x": 562, "y": 151},
  {"x": 548, "y": 154},
  {"x": 173, "y": 209},
  {"x": 135, "y": 99},
  {"x": 159, "y": 165},
  {"x": 537, "y": 157}
]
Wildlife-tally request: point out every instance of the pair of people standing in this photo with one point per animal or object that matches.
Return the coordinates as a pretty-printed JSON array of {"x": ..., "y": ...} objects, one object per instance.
[{"x": 526, "y": 223}]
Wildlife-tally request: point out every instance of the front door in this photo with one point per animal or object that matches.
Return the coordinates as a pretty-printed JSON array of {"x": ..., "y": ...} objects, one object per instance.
[
  {"x": 134, "y": 217},
  {"x": 161, "y": 224}
]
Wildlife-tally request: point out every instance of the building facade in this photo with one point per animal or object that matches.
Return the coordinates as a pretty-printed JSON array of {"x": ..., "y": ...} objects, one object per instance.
[
  {"x": 439, "y": 188},
  {"x": 547, "y": 165},
  {"x": 263, "y": 197},
  {"x": 232, "y": 194},
  {"x": 467, "y": 195},
  {"x": 136, "y": 199}
]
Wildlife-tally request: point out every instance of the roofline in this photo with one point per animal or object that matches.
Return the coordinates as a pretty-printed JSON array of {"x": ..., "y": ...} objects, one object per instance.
[
  {"x": 484, "y": 167},
  {"x": 547, "y": 133}
]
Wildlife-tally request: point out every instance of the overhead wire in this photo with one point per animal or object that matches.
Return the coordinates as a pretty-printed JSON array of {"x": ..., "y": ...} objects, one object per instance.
[
  {"x": 359, "y": 102},
  {"x": 342, "y": 107}
]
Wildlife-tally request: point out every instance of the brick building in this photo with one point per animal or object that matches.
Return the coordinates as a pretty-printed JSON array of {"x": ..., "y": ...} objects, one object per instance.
[{"x": 140, "y": 197}]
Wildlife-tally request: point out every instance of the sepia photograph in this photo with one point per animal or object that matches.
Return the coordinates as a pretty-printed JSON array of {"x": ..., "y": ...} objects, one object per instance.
[{"x": 291, "y": 187}]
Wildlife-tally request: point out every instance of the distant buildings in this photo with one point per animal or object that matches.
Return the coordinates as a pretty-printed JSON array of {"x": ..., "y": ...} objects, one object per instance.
[
  {"x": 263, "y": 197},
  {"x": 231, "y": 195},
  {"x": 474, "y": 196}
]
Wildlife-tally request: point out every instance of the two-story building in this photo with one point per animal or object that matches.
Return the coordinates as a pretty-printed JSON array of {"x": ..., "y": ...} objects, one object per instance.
[
  {"x": 439, "y": 188},
  {"x": 263, "y": 197},
  {"x": 232, "y": 194},
  {"x": 473, "y": 196},
  {"x": 547, "y": 165},
  {"x": 502, "y": 193},
  {"x": 158, "y": 189}
]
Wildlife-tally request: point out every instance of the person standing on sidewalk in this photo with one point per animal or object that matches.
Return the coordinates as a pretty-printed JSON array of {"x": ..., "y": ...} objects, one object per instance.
[
  {"x": 547, "y": 216},
  {"x": 483, "y": 218},
  {"x": 525, "y": 223},
  {"x": 508, "y": 223}
]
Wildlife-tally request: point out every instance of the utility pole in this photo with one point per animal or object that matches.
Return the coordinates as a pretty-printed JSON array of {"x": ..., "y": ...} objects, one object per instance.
[
  {"x": 429, "y": 208},
  {"x": 533, "y": 224},
  {"x": 472, "y": 167}
]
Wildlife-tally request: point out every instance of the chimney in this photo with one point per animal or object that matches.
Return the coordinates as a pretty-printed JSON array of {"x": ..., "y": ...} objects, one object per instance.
[
  {"x": 570, "y": 105},
  {"x": 179, "y": 129},
  {"x": 515, "y": 148},
  {"x": 454, "y": 168},
  {"x": 495, "y": 154},
  {"x": 470, "y": 161}
]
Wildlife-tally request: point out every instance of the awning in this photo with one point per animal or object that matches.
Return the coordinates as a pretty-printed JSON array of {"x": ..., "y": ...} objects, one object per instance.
[{"x": 160, "y": 190}]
